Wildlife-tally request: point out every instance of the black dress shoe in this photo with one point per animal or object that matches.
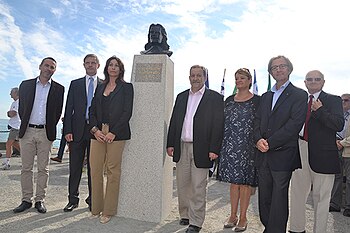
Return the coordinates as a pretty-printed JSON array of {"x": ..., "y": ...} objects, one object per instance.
[
  {"x": 346, "y": 213},
  {"x": 184, "y": 222},
  {"x": 39, "y": 205},
  {"x": 332, "y": 209},
  {"x": 69, "y": 207},
  {"x": 193, "y": 229},
  {"x": 296, "y": 232},
  {"x": 22, "y": 207},
  {"x": 88, "y": 201}
]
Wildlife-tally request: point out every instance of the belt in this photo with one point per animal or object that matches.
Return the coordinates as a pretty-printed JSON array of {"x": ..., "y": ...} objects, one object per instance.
[{"x": 36, "y": 126}]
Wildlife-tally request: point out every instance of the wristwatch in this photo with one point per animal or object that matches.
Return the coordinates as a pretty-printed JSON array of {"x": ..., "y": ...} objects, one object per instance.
[{"x": 93, "y": 130}]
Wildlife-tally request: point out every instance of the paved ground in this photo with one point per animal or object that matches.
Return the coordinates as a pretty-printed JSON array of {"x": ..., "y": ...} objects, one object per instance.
[{"x": 55, "y": 220}]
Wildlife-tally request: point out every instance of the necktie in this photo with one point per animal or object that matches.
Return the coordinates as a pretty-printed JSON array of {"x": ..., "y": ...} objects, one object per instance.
[
  {"x": 90, "y": 94},
  {"x": 308, "y": 115},
  {"x": 346, "y": 115},
  {"x": 341, "y": 134}
]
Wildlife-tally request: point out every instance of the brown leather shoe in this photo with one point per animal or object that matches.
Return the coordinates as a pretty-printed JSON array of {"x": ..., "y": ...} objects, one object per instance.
[{"x": 56, "y": 159}]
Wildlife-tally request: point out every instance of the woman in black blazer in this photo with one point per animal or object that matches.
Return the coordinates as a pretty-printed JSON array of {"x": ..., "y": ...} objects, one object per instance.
[{"x": 109, "y": 116}]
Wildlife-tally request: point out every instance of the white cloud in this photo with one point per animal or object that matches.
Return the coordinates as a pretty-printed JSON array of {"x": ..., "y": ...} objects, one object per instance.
[
  {"x": 216, "y": 33},
  {"x": 11, "y": 39},
  {"x": 58, "y": 12}
]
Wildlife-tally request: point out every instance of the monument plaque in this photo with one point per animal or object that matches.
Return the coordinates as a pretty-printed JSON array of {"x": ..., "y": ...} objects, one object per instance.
[{"x": 148, "y": 72}]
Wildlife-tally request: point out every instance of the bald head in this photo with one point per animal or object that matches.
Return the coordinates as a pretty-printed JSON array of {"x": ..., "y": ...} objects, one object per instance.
[{"x": 314, "y": 81}]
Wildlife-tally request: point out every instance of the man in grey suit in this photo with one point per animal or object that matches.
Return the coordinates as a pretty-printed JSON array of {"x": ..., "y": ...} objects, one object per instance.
[
  {"x": 280, "y": 116},
  {"x": 76, "y": 128},
  {"x": 194, "y": 141}
]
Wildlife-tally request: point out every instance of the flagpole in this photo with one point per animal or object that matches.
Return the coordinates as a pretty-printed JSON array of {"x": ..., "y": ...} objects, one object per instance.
[
  {"x": 222, "y": 91},
  {"x": 255, "y": 85}
]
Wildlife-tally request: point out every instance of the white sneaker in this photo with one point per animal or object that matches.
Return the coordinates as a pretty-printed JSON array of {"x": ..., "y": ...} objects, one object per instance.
[{"x": 6, "y": 167}]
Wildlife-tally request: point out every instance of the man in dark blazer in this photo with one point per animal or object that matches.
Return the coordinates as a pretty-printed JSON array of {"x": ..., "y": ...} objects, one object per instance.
[
  {"x": 319, "y": 153},
  {"x": 76, "y": 129},
  {"x": 40, "y": 108},
  {"x": 194, "y": 141},
  {"x": 280, "y": 116}
]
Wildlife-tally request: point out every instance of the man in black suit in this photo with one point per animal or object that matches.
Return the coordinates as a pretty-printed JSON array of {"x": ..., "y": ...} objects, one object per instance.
[
  {"x": 280, "y": 116},
  {"x": 40, "y": 108},
  {"x": 319, "y": 153},
  {"x": 76, "y": 128},
  {"x": 194, "y": 141}
]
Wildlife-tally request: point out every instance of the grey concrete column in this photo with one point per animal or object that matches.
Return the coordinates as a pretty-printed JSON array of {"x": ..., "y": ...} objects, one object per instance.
[{"x": 147, "y": 172}]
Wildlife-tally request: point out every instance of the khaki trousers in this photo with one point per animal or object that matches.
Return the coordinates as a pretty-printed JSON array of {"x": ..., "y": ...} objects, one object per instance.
[
  {"x": 34, "y": 142},
  {"x": 191, "y": 186},
  {"x": 300, "y": 188},
  {"x": 105, "y": 156}
]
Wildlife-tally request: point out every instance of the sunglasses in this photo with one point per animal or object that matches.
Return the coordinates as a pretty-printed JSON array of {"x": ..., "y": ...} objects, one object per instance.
[{"x": 313, "y": 79}]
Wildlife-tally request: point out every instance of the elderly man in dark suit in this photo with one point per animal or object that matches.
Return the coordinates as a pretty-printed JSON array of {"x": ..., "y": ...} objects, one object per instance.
[
  {"x": 40, "y": 108},
  {"x": 319, "y": 153},
  {"x": 194, "y": 141},
  {"x": 280, "y": 116},
  {"x": 76, "y": 128}
]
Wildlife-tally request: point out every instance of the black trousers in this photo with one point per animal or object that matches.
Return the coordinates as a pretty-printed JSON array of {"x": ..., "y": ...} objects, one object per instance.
[
  {"x": 273, "y": 198},
  {"x": 77, "y": 152}
]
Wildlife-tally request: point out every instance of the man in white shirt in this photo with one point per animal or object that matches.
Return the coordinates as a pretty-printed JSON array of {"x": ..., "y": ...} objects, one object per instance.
[{"x": 13, "y": 125}]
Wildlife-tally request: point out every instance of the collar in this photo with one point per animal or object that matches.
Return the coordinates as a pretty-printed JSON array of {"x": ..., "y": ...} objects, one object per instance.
[
  {"x": 273, "y": 89},
  {"x": 38, "y": 81},
  {"x": 201, "y": 91},
  {"x": 315, "y": 95},
  {"x": 88, "y": 76}
]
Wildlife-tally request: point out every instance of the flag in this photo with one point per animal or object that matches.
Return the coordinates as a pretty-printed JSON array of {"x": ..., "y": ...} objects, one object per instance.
[
  {"x": 207, "y": 81},
  {"x": 255, "y": 85},
  {"x": 222, "y": 91},
  {"x": 234, "y": 90},
  {"x": 269, "y": 84}
]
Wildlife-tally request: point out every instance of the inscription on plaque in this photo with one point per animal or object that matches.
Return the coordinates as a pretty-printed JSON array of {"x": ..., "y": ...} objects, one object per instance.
[{"x": 148, "y": 72}]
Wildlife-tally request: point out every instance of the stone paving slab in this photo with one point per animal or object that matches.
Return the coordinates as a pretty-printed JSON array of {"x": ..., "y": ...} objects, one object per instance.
[{"x": 55, "y": 220}]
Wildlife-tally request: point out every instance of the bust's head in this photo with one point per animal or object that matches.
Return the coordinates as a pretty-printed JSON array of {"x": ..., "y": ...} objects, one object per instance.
[
  {"x": 155, "y": 33},
  {"x": 157, "y": 36}
]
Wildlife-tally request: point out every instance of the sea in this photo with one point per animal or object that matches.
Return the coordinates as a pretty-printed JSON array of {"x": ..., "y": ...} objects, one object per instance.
[{"x": 4, "y": 133}]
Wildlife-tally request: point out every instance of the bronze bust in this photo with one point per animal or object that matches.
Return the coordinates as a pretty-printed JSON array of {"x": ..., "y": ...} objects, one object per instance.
[{"x": 157, "y": 41}]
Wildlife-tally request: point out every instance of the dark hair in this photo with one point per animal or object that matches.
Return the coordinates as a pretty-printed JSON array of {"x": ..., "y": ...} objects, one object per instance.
[
  {"x": 92, "y": 55},
  {"x": 201, "y": 67},
  {"x": 48, "y": 58},
  {"x": 121, "y": 69},
  {"x": 289, "y": 64},
  {"x": 164, "y": 43}
]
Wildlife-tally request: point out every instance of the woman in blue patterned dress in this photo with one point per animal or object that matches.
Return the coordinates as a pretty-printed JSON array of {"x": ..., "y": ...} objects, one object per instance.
[{"x": 236, "y": 164}]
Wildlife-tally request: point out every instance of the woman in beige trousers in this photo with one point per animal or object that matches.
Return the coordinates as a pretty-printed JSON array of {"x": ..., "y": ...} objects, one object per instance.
[{"x": 109, "y": 116}]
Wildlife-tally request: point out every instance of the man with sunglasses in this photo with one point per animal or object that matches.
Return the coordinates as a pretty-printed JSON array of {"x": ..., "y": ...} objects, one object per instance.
[
  {"x": 343, "y": 143},
  {"x": 319, "y": 155}
]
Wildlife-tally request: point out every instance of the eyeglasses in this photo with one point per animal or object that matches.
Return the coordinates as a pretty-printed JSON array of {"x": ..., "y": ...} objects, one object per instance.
[
  {"x": 346, "y": 100},
  {"x": 313, "y": 79},
  {"x": 281, "y": 66}
]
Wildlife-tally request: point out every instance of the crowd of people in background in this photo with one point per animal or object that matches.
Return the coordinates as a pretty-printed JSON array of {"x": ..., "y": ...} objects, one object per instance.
[{"x": 285, "y": 140}]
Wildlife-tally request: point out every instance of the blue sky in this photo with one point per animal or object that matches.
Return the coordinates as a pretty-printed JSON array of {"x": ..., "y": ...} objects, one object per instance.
[{"x": 218, "y": 34}]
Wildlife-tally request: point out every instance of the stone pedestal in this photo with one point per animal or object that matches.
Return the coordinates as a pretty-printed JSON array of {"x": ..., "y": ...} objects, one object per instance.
[{"x": 147, "y": 172}]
